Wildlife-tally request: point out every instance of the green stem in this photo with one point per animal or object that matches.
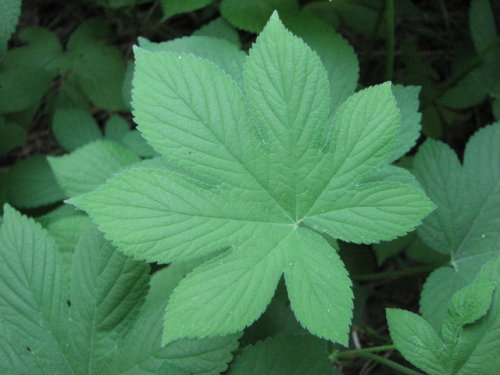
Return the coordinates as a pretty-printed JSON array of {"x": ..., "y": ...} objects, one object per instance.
[
  {"x": 396, "y": 274},
  {"x": 389, "y": 18},
  {"x": 381, "y": 348},
  {"x": 387, "y": 362}
]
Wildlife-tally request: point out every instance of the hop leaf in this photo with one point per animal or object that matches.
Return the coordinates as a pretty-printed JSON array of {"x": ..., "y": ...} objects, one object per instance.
[{"x": 262, "y": 171}]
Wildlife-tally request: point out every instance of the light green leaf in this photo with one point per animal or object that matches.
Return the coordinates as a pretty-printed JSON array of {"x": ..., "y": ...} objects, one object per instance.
[
  {"x": 243, "y": 171},
  {"x": 221, "y": 52},
  {"x": 107, "y": 289},
  {"x": 74, "y": 128},
  {"x": 337, "y": 56},
  {"x": 31, "y": 291},
  {"x": 95, "y": 162},
  {"x": 10, "y": 10},
  {"x": 220, "y": 29},
  {"x": 174, "y": 7},
  {"x": 140, "y": 351},
  {"x": 466, "y": 221},
  {"x": 229, "y": 292},
  {"x": 372, "y": 212},
  {"x": 283, "y": 354},
  {"x": 416, "y": 340},
  {"x": 318, "y": 286},
  {"x": 252, "y": 15},
  {"x": 32, "y": 183}
]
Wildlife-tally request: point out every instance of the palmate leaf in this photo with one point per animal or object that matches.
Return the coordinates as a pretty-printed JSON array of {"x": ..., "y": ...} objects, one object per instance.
[
  {"x": 261, "y": 172},
  {"x": 465, "y": 224}
]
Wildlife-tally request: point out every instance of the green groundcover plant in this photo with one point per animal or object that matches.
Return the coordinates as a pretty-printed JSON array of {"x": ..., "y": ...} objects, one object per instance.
[
  {"x": 262, "y": 169},
  {"x": 255, "y": 217}
]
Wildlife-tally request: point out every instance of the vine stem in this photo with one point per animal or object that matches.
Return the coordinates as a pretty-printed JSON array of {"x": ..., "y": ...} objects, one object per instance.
[
  {"x": 381, "y": 348},
  {"x": 396, "y": 274},
  {"x": 387, "y": 362},
  {"x": 389, "y": 18}
]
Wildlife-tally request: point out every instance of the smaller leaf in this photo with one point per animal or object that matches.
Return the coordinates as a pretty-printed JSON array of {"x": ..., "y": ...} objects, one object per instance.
[
  {"x": 74, "y": 128},
  {"x": 174, "y": 7},
  {"x": 416, "y": 340},
  {"x": 220, "y": 29},
  {"x": 116, "y": 128},
  {"x": 95, "y": 162},
  {"x": 283, "y": 354},
  {"x": 32, "y": 183}
]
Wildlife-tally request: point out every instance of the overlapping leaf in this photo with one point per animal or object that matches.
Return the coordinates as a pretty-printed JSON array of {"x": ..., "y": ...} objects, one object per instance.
[
  {"x": 465, "y": 224},
  {"x": 261, "y": 172}
]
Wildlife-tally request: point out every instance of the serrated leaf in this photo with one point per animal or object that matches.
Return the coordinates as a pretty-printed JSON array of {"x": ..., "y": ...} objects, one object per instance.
[
  {"x": 134, "y": 141},
  {"x": 32, "y": 183},
  {"x": 337, "y": 56},
  {"x": 74, "y": 128},
  {"x": 416, "y": 340},
  {"x": 465, "y": 224},
  {"x": 95, "y": 162},
  {"x": 253, "y": 15},
  {"x": 318, "y": 286},
  {"x": 107, "y": 289},
  {"x": 283, "y": 354},
  {"x": 243, "y": 171},
  {"x": 31, "y": 290}
]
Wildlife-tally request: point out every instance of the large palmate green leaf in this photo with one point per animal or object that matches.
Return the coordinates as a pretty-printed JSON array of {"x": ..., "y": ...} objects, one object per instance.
[
  {"x": 469, "y": 333},
  {"x": 107, "y": 323},
  {"x": 465, "y": 224},
  {"x": 262, "y": 173}
]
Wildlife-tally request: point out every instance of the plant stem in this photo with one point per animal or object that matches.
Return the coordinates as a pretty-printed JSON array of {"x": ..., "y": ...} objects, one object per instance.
[
  {"x": 389, "y": 363},
  {"x": 381, "y": 348},
  {"x": 396, "y": 274},
  {"x": 389, "y": 61}
]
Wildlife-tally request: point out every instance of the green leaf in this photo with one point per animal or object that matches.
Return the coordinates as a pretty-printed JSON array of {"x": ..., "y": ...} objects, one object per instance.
[
  {"x": 221, "y": 52},
  {"x": 174, "y": 7},
  {"x": 469, "y": 330},
  {"x": 98, "y": 67},
  {"x": 140, "y": 351},
  {"x": 318, "y": 286},
  {"x": 407, "y": 101},
  {"x": 337, "y": 56},
  {"x": 253, "y": 15},
  {"x": 136, "y": 143},
  {"x": 74, "y": 128},
  {"x": 116, "y": 128},
  {"x": 220, "y": 29},
  {"x": 482, "y": 24},
  {"x": 465, "y": 223},
  {"x": 107, "y": 289},
  {"x": 12, "y": 136},
  {"x": 283, "y": 354},
  {"x": 416, "y": 340},
  {"x": 31, "y": 290},
  {"x": 32, "y": 183},
  {"x": 10, "y": 11},
  {"x": 254, "y": 172},
  {"x": 26, "y": 72},
  {"x": 95, "y": 163}
]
